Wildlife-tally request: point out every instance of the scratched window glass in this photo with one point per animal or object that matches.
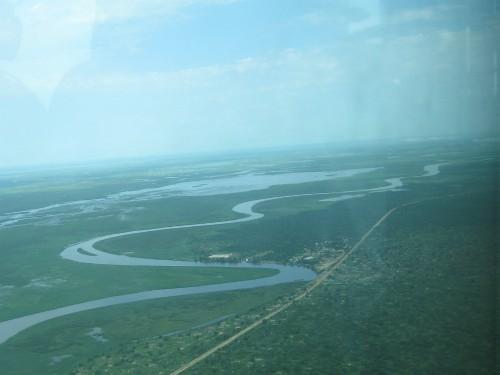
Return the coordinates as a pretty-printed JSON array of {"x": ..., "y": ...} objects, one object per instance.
[{"x": 249, "y": 187}]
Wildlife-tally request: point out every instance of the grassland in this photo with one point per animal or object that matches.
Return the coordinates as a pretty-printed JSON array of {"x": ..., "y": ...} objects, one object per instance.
[
  {"x": 126, "y": 328},
  {"x": 418, "y": 298},
  {"x": 349, "y": 317}
]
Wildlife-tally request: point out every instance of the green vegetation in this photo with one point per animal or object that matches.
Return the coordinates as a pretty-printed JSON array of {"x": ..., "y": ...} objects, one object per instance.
[
  {"x": 133, "y": 333},
  {"x": 416, "y": 298},
  {"x": 30, "y": 256}
]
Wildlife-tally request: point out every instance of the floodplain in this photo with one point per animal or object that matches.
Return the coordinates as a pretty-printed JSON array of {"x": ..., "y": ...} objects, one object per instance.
[{"x": 420, "y": 286}]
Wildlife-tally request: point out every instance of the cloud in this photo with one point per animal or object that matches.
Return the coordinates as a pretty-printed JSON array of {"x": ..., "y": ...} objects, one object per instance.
[
  {"x": 352, "y": 16},
  {"x": 422, "y": 14},
  {"x": 287, "y": 69},
  {"x": 372, "y": 10},
  {"x": 52, "y": 41},
  {"x": 55, "y": 36},
  {"x": 112, "y": 10}
]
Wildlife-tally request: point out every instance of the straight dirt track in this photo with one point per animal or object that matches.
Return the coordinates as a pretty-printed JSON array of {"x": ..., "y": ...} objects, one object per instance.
[{"x": 309, "y": 288}]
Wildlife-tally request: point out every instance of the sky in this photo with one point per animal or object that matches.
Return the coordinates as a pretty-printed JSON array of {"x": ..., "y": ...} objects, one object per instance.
[{"x": 99, "y": 79}]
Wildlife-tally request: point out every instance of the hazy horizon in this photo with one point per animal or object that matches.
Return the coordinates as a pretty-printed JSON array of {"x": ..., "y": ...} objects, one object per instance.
[
  {"x": 89, "y": 80},
  {"x": 223, "y": 154}
]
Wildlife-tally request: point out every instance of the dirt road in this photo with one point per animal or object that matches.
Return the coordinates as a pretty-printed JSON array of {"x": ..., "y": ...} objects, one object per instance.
[{"x": 309, "y": 288}]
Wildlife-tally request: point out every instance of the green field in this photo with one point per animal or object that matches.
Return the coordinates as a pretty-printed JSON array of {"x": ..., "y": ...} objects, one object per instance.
[{"x": 418, "y": 297}]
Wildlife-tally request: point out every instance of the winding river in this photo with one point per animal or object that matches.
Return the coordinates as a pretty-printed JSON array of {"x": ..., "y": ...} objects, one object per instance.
[{"x": 85, "y": 252}]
